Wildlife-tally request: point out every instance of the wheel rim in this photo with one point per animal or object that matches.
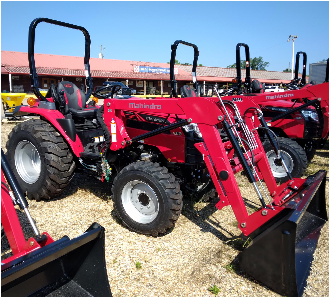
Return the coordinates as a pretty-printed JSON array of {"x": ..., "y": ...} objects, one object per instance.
[
  {"x": 277, "y": 169},
  {"x": 27, "y": 162},
  {"x": 140, "y": 201}
]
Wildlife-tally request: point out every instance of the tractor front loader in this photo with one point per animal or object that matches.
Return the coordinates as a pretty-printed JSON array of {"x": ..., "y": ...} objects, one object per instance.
[
  {"x": 286, "y": 227},
  {"x": 41, "y": 266}
]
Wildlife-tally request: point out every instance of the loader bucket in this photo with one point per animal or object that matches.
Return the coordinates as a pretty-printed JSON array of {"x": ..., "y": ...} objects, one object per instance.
[
  {"x": 281, "y": 253},
  {"x": 63, "y": 268}
]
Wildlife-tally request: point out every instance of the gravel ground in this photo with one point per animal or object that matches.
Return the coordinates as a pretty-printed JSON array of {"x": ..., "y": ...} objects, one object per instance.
[{"x": 199, "y": 252}]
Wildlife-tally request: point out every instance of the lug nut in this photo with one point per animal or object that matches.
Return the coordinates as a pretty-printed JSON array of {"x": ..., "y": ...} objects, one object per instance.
[
  {"x": 264, "y": 212},
  {"x": 220, "y": 118},
  {"x": 243, "y": 225}
]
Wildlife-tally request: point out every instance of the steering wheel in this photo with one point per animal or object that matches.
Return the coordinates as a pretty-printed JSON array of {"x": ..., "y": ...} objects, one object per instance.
[{"x": 112, "y": 90}]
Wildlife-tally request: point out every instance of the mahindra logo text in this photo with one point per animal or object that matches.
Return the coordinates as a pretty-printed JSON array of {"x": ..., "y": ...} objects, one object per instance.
[
  {"x": 147, "y": 106},
  {"x": 279, "y": 96}
]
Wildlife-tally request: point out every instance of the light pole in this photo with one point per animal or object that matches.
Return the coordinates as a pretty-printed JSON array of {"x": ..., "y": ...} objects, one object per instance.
[
  {"x": 292, "y": 37},
  {"x": 101, "y": 56}
]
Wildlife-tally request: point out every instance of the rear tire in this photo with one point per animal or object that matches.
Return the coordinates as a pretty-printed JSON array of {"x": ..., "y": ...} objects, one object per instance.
[
  {"x": 40, "y": 159},
  {"x": 294, "y": 156},
  {"x": 147, "y": 198}
]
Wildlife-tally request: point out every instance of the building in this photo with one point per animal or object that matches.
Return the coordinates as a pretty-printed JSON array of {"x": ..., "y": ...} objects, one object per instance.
[{"x": 144, "y": 77}]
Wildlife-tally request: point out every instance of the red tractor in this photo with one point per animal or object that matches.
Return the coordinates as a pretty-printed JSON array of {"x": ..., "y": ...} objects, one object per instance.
[
  {"x": 298, "y": 117},
  {"x": 149, "y": 149}
]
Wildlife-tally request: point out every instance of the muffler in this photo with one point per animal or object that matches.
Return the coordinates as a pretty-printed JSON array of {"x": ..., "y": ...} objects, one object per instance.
[
  {"x": 281, "y": 252},
  {"x": 63, "y": 268}
]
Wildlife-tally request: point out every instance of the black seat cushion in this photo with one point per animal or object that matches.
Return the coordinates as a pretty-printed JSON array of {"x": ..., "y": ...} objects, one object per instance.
[{"x": 84, "y": 113}]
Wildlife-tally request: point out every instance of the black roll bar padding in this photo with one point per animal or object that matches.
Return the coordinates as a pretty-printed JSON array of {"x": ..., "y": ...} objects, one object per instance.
[
  {"x": 303, "y": 81},
  {"x": 247, "y": 83},
  {"x": 172, "y": 64},
  {"x": 31, "y": 41},
  {"x": 12, "y": 181},
  {"x": 327, "y": 72}
]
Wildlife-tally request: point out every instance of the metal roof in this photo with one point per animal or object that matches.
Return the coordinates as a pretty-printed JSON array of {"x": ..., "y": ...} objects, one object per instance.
[
  {"x": 211, "y": 73},
  {"x": 57, "y": 65}
]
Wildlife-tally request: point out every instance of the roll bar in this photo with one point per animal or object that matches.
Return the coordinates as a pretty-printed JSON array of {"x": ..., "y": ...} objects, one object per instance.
[
  {"x": 247, "y": 83},
  {"x": 327, "y": 72},
  {"x": 172, "y": 64},
  {"x": 31, "y": 41},
  {"x": 303, "y": 81}
]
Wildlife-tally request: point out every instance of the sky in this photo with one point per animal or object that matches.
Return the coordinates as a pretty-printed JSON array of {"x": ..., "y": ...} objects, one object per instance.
[{"x": 144, "y": 31}]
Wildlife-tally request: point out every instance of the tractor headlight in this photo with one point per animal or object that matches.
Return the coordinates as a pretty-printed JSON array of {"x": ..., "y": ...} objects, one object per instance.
[
  {"x": 193, "y": 127},
  {"x": 310, "y": 114}
]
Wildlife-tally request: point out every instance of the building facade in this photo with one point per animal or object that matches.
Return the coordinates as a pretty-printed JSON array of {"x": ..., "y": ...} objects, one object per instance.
[{"x": 145, "y": 77}]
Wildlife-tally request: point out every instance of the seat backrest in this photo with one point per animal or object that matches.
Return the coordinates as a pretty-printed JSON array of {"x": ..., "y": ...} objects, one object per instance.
[
  {"x": 75, "y": 98},
  {"x": 187, "y": 91},
  {"x": 257, "y": 86}
]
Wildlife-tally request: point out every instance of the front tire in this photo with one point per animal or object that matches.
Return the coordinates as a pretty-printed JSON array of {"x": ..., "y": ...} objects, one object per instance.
[
  {"x": 40, "y": 159},
  {"x": 147, "y": 198},
  {"x": 294, "y": 156}
]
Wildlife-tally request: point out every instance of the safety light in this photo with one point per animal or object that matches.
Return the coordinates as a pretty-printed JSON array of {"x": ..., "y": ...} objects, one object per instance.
[
  {"x": 31, "y": 101},
  {"x": 95, "y": 99},
  {"x": 234, "y": 80}
]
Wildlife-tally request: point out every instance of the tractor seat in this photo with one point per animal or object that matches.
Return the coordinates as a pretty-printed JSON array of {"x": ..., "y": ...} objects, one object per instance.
[
  {"x": 76, "y": 101},
  {"x": 257, "y": 86},
  {"x": 187, "y": 91}
]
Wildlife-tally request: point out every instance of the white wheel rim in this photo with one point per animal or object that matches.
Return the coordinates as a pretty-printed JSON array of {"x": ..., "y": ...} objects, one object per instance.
[
  {"x": 27, "y": 162},
  {"x": 140, "y": 202},
  {"x": 278, "y": 170}
]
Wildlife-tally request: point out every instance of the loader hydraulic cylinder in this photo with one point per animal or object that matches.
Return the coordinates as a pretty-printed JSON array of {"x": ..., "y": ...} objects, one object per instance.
[
  {"x": 242, "y": 159},
  {"x": 20, "y": 198}
]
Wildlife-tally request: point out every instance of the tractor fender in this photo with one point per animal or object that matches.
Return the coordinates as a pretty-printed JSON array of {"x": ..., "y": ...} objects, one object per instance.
[{"x": 63, "y": 125}]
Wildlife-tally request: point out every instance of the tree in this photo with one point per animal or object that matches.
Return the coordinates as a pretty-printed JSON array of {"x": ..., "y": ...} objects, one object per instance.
[
  {"x": 287, "y": 70},
  {"x": 255, "y": 64},
  {"x": 176, "y": 62}
]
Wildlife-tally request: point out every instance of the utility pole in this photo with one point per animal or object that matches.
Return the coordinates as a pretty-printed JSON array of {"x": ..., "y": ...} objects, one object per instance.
[
  {"x": 292, "y": 37},
  {"x": 101, "y": 56}
]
